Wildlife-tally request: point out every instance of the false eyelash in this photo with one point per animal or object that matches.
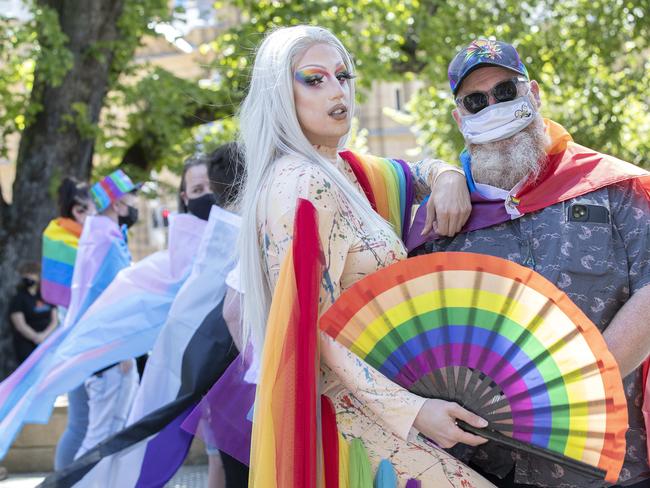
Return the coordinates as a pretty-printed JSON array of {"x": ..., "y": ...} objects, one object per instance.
[
  {"x": 345, "y": 75},
  {"x": 312, "y": 78}
]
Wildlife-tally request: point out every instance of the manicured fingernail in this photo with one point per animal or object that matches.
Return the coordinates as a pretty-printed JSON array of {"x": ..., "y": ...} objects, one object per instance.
[{"x": 483, "y": 423}]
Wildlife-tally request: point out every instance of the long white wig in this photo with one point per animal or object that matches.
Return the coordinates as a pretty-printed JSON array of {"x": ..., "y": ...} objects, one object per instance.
[{"x": 269, "y": 130}]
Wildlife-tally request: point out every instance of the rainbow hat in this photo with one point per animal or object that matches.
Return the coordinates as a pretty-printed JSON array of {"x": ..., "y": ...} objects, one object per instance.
[{"x": 111, "y": 188}]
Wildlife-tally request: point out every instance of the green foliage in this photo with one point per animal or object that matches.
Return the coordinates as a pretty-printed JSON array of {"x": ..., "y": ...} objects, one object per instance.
[
  {"x": 135, "y": 22},
  {"x": 16, "y": 78},
  {"x": 166, "y": 118},
  {"x": 53, "y": 58},
  {"x": 40, "y": 42},
  {"x": 23, "y": 45},
  {"x": 590, "y": 57}
]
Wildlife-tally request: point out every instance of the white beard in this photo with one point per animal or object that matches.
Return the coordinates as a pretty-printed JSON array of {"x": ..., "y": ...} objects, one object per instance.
[{"x": 505, "y": 163}]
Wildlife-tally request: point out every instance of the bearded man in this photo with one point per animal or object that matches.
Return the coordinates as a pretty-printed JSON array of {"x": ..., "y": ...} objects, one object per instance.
[{"x": 579, "y": 218}]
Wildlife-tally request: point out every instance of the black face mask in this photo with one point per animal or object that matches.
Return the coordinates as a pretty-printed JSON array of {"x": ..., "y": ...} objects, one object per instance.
[
  {"x": 28, "y": 282},
  {"x": 130, "y": 218},
  {"x": 200, "y": 207}
]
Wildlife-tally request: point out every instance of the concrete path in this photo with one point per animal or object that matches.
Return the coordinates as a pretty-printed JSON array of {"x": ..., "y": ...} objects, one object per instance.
[{"x": 187, "y": 477}]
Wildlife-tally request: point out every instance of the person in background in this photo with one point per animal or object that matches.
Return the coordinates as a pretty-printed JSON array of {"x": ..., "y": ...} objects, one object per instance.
[
  {"x": 32, "y": 318},
  {"x": 60, "y": 242},
  {"x": 111, "y": 390},
  {"x": 206, "y": 181}
]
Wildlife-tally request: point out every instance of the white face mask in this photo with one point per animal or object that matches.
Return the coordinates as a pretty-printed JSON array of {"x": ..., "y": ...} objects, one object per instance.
[{"x": 498, "y": 121}]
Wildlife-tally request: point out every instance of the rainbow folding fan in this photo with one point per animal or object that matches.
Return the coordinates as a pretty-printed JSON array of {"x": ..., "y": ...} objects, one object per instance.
[{"x": 500, "y": 340}]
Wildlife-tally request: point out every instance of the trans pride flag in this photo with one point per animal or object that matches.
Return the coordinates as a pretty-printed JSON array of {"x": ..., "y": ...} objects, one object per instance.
[
  {"x": 192, "y": 351},
  {"x": 60, "y": 243},
  {"x": 125, "y": 320},
  {"x": 101, "y": 254}
]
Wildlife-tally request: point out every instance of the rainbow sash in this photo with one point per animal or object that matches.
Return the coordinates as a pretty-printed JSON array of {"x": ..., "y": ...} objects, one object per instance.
[
  {"x": 284, "y": 442},
  {"x": 571, "y": 170},
  {"x": 60, "y": 243}
]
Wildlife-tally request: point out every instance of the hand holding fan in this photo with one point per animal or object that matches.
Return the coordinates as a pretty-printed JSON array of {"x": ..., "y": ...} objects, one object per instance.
[{"x": 500, "y": 340}]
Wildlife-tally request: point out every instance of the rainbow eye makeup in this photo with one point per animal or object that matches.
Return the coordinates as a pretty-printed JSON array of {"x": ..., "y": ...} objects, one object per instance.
[
  {"x": 310, "y": 76},
  {"x": 315, "y": 76}
]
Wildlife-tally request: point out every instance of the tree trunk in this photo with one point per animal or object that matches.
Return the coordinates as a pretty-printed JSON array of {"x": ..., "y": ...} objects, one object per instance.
[{"x": 52, "y": 146}]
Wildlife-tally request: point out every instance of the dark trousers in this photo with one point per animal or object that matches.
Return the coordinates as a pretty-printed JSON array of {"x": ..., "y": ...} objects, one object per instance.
[{"x": 236, "y": 472}]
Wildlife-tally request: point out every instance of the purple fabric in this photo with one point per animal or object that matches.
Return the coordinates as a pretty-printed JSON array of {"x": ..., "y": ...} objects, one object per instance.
[
  {"x": 485, "y": 213},
  {"x": 220, "y": 419},
  {"x": 410, "y": 196},
  {"x": 413, "y": 483},
  {"x": 165, "y": 453}
]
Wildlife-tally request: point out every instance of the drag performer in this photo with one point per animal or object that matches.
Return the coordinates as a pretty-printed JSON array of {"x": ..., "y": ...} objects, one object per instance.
[{"x": 307, "y": 204}]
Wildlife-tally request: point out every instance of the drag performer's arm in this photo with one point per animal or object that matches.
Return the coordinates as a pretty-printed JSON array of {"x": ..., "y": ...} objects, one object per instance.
[{"x": 449, "y": 206}]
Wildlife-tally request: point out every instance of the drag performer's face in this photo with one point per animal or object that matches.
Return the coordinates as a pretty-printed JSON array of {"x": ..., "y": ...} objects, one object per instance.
[{"x": 322, "y": 95}]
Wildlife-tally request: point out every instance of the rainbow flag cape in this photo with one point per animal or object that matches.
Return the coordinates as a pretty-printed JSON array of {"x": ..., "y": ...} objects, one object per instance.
[
  {"x": 284, "y": 442},
  {"x": 101, "y": 254},
  {"x": 572, "y": 170},
  {"x": 190, "y": 353},
  {"x": 388, "y": 185},
  {"x": 60, "y": 243}
]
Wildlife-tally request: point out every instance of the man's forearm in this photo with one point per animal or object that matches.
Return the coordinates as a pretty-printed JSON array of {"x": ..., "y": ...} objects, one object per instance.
[{"x": 628, "y": 334}]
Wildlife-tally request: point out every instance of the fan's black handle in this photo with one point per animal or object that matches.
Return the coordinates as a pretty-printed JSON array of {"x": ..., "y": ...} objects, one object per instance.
[{"x": 555, "y": 457}]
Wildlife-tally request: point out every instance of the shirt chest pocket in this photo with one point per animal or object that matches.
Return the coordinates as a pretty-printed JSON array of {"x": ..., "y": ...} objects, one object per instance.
[{"x": 587, "y": 244}]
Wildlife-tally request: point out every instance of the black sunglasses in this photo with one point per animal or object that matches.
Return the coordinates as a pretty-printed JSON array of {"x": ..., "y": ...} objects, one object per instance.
[{"x": 505, "y": 91}]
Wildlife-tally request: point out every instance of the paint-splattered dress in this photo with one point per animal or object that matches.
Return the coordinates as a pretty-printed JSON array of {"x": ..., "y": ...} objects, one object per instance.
[{"x": 368, "y": 405}]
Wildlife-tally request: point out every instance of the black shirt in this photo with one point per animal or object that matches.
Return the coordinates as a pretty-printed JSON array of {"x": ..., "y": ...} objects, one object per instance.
[{"x": 38, "y": 315}]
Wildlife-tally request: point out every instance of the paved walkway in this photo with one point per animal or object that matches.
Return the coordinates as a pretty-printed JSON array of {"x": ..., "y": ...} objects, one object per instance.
[{"x": 187, "y": 477}]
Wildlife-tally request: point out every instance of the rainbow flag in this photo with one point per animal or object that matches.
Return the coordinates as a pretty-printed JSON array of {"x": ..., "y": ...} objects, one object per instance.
[
  {"x": 60, "y": 243},
  {"x": 284, "y": 442},
  {"x": 388, "y": 185}
]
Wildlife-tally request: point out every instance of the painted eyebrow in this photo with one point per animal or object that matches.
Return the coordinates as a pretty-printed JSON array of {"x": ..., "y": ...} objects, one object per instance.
[{"x": 320, "y": 66}]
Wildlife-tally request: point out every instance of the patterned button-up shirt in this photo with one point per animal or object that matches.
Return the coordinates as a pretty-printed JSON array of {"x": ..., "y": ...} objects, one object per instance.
[{"x": 596, "y": 248}]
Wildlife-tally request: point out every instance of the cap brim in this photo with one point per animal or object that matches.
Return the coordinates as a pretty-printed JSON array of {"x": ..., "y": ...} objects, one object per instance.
[{"x": 481, "y": 65}]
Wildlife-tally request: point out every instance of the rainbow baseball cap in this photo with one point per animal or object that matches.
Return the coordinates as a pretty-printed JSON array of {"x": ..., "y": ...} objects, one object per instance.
[
  {"x": 483, "y": 52},
  {"x": 111, "y": 188}
]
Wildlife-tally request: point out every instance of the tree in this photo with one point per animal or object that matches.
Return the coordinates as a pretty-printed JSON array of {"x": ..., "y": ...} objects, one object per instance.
[
  {"x": 590, "y": 56},
  {"x": 76, "y": 50}
]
